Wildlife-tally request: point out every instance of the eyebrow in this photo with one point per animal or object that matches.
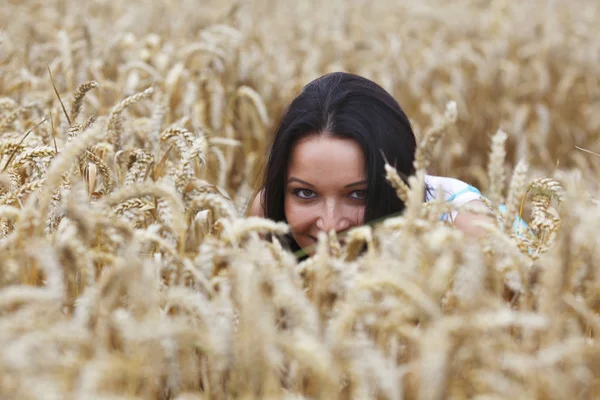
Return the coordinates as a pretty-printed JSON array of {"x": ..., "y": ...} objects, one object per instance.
[
  {"x": 363, "y": 182},
  {"x": 300, "y": 181},
  {"x": 293, "y": 179}
]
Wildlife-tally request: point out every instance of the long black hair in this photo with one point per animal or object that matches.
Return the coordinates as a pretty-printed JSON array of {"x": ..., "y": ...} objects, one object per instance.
[{"x": 348, "y": 106}]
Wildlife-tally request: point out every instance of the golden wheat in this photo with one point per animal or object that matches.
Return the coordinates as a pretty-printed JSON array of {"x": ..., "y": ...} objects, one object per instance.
[{"x": 128, "y": 269}]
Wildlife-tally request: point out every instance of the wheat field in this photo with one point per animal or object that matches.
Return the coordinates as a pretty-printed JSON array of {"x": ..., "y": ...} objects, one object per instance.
[{"x": 131, "y": 140}]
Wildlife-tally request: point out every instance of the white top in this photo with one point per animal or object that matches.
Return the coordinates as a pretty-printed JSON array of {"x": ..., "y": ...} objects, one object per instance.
[{"x": 454, "y": 190}]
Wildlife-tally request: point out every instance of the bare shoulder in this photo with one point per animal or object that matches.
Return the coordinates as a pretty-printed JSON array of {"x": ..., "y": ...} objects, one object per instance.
[
  {"x": 465, "y": 221},
  {"x": 256, "y": 210}
]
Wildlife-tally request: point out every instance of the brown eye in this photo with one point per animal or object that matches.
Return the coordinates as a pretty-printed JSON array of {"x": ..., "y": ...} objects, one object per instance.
[
  {"x": 304, "y": 193},
  {"x": 359, "y": 194}
]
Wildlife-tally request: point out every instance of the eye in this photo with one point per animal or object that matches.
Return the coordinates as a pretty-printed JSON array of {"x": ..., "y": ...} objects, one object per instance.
[
  {"x": 359, "y": 194},
  {"x": 304, "y": 193}
]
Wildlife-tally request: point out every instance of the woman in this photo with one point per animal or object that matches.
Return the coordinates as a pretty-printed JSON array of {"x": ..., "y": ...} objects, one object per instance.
[{"x": 326, "y": 170}]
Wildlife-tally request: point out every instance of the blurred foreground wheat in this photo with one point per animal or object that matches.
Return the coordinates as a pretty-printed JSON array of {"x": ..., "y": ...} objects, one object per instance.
[{"x": 130, "y": 139}]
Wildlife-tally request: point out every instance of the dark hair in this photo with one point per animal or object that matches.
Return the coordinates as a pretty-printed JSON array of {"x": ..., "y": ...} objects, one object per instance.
[{"x": 349, "y": 106}]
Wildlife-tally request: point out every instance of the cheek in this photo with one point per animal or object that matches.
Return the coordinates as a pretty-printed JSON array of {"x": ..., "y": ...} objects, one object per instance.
[
  {"x": 299, "y": 216},
  {"x": 360, "y": 215},
  {"x": 355, "y": 214}
]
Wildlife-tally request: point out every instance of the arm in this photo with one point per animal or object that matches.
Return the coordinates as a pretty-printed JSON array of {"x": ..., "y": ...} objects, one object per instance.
[{"x": 465, "y": 220}]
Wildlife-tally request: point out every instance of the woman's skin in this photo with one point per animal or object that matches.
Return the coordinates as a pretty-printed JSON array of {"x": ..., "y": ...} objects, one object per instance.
[
  {"x": 326, "y": 190},
  {"x": 326, "y": 187}
]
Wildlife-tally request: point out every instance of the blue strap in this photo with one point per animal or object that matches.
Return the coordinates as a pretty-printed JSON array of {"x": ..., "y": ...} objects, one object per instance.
[{"x": 469, "y": 188}]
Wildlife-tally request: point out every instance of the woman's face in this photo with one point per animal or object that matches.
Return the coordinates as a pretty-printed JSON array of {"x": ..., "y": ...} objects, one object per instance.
[{"x": 326, "y": 187}]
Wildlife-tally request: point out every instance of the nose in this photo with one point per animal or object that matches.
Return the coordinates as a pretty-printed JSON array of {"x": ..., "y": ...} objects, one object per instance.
[{"x": 332, "y": 218}]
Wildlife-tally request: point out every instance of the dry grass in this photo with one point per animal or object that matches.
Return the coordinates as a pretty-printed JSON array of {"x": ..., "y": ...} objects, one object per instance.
[{"x": 129, "y": 271}]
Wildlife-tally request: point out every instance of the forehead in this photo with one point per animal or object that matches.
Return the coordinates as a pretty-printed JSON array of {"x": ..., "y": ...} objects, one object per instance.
[{"x": 324, "y": 156}]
